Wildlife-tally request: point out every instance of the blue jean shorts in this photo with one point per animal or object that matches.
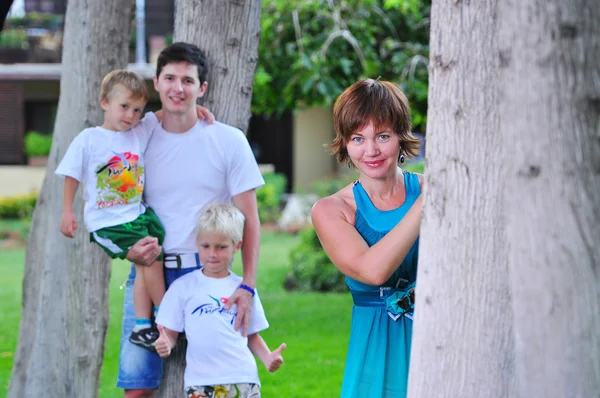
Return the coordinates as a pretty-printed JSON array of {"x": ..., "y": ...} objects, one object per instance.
[{"x": 140, "y": 369}]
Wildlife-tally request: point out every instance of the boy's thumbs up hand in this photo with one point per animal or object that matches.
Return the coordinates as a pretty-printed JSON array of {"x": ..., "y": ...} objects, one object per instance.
[
  {"x": 275, "y": 359},
  {"x": 163, "y": 343}
]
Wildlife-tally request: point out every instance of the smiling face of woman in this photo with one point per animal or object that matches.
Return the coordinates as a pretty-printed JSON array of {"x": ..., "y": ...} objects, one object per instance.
[
  {"x": 370, "y": 105},
  {"x": 374, "y": 151}
]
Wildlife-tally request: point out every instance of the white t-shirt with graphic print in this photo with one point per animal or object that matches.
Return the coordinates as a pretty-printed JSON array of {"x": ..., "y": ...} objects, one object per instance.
[
  {"x": 216, "y": 353},
  {"x": 110, "y": 166}
]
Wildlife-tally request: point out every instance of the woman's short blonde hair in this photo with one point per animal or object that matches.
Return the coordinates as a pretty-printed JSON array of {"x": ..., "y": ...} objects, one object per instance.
[
  {"x": 223, "y": 219},
  {"x": 381, "y": 102}
]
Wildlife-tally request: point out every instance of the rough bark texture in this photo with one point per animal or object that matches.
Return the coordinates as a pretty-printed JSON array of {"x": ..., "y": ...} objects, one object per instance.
[
  {"x": 550, "y": 83},
  {"x": 228, "y": 33},
  {"x": 462, "y": 338},
  {"x": 65, "y": 288},
  {"x": 509, "y": 274}
]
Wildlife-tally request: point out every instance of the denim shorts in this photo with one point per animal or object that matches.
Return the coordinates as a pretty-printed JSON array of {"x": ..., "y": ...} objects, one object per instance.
[{"x": 140, "y": 369}]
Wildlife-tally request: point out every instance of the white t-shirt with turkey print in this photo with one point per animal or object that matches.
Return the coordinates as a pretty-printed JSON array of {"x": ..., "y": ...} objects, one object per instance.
[
  {"x": 216, "y": 352},
  {"x": 110, "y": 166}
]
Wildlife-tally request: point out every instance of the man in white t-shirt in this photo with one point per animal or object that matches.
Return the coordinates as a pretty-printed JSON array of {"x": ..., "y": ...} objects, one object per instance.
[{"x": 189, "y": 164}]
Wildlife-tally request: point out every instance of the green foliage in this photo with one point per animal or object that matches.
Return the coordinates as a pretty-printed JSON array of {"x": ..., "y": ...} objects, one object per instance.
[
  {"x": 37, "y": 144},
  {"x": 269, "y": 197},
  {"x": 415, "y": 167},
  {"x": 330, "y": 185},
  {"x": 15, "y": 231},
  {"x": 14, "y": 38},
  {"x": 40, "y": 20},
  {"x": 311, "y": 50},
  {"x": 311, "y": 269},
  {"x": 18, "y": 207}
]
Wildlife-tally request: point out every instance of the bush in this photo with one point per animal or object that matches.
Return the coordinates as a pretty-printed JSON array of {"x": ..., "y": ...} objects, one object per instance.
[
  {"x": 18, "y": 206},
  {"x": 269, "y": 197},
  {"x": 15, "y": 231},
  {"x": 415, "y": 167},
  {"x": 14, "y": 38},
  {"x": 311, "y": 269},
  {"x": 37, "y": 144},
  {"x": 330, "y": 185}
]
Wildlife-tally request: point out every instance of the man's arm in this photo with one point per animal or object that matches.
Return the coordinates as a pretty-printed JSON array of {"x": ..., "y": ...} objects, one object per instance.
[{"x": 246, "y": 202}]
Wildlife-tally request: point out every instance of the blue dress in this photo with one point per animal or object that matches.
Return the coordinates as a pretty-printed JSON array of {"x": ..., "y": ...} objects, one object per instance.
[{"x": 379, "y": 348}]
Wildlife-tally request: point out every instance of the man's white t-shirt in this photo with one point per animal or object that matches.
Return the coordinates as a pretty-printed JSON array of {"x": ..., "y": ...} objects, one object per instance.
[
  {"x": 187, "y": 171},
  {"x": 111, "y": 166},
  {"x": 216, "y": 353}
]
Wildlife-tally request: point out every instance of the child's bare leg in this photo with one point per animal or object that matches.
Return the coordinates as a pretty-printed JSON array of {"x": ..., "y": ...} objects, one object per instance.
[
  {"x": 143, "y": 333},
  {"x": 154, "y": 281},
  {"x": 141, "y": 300}
]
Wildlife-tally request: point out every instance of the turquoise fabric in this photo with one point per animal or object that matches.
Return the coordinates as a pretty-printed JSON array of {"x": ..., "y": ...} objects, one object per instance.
[{"x": 379, "y": 349}]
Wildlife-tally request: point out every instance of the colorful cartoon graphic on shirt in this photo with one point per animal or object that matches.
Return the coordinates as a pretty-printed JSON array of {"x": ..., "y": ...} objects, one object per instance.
[
  {"x": 120, "y": 181},
  {"x": 216, "y": 308}
]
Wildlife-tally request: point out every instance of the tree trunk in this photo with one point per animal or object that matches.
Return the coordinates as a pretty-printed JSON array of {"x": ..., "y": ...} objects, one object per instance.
[
  {"x": 550, "y": 94},
  {"x": 65, "y": 288},
  {"x": 228, "y": 33},
  {"x": 509, "y": 278},
  {"x": 462, "y": 338}
]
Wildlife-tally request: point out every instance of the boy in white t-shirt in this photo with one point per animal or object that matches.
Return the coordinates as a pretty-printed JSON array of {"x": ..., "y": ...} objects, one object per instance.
[
  {"x": 219, "y": 359},
  {"x": 108, "y": 159}
]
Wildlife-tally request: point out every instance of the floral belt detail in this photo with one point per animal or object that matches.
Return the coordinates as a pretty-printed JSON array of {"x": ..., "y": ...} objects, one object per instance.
[{"x": 401, "y": 303}]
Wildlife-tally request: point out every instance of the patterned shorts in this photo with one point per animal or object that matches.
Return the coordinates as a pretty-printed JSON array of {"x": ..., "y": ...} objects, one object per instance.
[{"x": 241, "y": 390}]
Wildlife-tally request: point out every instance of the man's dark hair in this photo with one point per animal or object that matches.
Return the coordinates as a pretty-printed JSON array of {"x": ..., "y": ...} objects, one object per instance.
[{"x": 183, "y": 52}]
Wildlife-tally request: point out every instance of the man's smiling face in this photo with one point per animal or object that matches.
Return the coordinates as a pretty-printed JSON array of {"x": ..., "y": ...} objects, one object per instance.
[{"x": 179, "y": 87}]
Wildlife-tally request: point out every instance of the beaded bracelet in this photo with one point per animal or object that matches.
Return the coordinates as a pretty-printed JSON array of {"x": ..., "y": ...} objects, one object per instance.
[{"x": 246, "y": 287}]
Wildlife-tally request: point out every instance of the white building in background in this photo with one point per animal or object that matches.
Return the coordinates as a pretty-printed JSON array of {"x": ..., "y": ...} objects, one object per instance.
[{"x": 17, "y": 9}]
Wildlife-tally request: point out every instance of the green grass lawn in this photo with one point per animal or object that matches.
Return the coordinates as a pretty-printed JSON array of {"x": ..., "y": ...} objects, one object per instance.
[{"x": 314, "y": 326}]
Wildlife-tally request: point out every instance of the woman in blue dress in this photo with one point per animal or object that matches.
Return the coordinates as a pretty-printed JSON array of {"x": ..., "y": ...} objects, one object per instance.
[{"x": 370, "y": 232}]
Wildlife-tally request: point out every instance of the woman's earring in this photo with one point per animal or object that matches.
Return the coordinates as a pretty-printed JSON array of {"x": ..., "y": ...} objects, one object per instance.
[{"x": 401, "y": 158}]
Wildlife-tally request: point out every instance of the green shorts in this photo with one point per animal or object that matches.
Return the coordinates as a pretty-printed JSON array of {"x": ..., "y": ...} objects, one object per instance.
[{"x": 117, "y": 240}]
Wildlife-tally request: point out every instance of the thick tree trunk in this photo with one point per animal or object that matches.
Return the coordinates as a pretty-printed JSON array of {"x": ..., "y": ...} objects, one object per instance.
[
  {"x": 550, "y": 95},
  {"x": 65, "y": 288},
  {"x": 462, "y": 338},
  {"x": 513, "y": 195},
  {"x": 228, "y": 33}
]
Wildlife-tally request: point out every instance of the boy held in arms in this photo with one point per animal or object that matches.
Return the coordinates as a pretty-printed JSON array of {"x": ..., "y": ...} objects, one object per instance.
[
  {"x": 109, "y": 160},
  {"x": 219, "y": 358}
]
